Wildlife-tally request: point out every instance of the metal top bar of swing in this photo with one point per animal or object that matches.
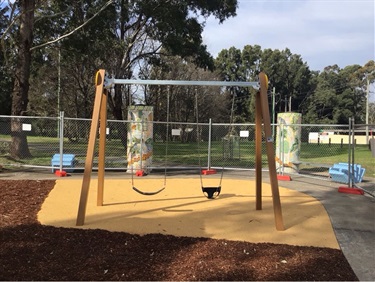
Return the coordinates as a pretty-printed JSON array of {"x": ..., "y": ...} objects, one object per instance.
[{"x": 110, "y": 81}]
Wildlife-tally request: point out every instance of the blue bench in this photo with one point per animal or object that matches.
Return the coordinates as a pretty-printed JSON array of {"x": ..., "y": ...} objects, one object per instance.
[
  {"x": 339, "y": 172},
  {"x": 68, "y": 162}
]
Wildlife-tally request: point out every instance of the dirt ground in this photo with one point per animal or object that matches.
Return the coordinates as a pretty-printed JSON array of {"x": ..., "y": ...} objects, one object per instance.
[{"x": 31, "y": 251}]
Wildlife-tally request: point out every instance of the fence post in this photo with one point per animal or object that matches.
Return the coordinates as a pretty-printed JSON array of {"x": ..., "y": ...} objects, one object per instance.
[
  {"x": 209, "y": 144},
  {"x": 61, "y": 138},
  {"x": 353, "y": 147},
  {"x": 349, "y": 152},
  {"x": 282, "y": 148},
  {"x": 141, "y": 142}
]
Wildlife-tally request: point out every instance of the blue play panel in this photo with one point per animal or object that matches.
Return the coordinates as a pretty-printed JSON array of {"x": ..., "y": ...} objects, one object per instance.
[
  {"x": 68, "y": 162},
  {"x": 339, "y": 172}
]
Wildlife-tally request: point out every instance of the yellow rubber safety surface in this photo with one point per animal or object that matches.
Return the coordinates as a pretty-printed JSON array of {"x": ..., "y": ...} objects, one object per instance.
[{"x": 182, "y": 210}]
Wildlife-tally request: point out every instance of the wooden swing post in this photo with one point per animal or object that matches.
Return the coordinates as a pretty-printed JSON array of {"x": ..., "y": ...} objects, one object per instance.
[
  {"x": 99, "y": 113},
  {"x": 262, "y": 101}
]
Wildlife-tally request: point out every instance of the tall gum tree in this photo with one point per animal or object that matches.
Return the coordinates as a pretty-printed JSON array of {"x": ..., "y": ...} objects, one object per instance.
[
  {"x": 145, "y": 28},
  {"x": 19, "y": 147},
  {"x": 138, "y": 29}
]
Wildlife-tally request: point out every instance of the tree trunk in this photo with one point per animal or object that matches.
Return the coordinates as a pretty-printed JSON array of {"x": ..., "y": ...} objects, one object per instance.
[{"x": 19, "y": 147}]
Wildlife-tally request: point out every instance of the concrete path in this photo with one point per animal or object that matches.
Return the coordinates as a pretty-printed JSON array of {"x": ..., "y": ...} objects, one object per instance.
[{"x": 352, "y": 218}]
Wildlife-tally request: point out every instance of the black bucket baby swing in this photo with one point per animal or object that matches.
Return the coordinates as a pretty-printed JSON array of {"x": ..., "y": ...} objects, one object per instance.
[{"x": 211, "y": 192}]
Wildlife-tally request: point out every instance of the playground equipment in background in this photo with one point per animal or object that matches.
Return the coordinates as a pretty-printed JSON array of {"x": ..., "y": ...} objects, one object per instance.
[
  {"x": 339, "y": 172},
  {"x": 68, "y": 161},
  {"x": 348, "y": 174},
  {"x": 139, "y": 148},
  {"x": 139, "y": 141},
  {"x": 288, "y": 144},
  {"x": 99, "y": 117}
]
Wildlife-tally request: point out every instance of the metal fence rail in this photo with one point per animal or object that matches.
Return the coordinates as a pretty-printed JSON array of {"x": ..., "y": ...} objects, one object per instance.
[{"x": 221, "y": 146}]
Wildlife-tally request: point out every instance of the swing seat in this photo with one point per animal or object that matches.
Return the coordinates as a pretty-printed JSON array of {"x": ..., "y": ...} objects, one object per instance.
[
  {"x": 147, "y": 193},
  {"x": 211, "y": 192}
]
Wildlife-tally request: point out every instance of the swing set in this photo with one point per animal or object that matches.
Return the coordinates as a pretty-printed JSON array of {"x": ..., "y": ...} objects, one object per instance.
[{"x": 99, "y": 120}]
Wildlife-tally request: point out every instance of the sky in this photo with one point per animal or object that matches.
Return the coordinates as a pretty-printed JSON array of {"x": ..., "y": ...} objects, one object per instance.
[{"x": 323, "y": 32}]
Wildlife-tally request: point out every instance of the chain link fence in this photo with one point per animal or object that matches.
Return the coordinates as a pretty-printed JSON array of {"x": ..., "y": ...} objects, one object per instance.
[{"x": 177, "y": 145}]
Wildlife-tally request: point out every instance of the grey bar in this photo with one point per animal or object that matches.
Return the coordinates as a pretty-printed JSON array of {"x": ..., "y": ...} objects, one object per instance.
[{"x": 253, "y": 84}]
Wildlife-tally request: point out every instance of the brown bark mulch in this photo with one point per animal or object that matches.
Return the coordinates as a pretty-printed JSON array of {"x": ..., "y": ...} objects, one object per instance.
[{"x": 31, "y": 251}]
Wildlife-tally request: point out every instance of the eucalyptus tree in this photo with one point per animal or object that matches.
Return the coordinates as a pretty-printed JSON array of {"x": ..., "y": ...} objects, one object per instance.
[
  {"x": 251, "y": 60},
  {"x": 5, "y": 89},
  {"x": 366, "y": 79},
  {"x": 232, "y": 65},
  {"x": 211, "y": 100},
  {"x": 290, "y": 76},
  {"x": 131, "y": 33},
  {"x": 186, "y": 104},
  {"x": 6, "y": 79},
  {"x": 17, "y": 40},
  {"x": 340, "y": 94},
  {"x": 23, "y": 34},
  {"x": 322, "y": 102},
  {"x": 113, "y": 34},
  {"x": 371, "y": 113},
  {"x": 144, "y": 29}
]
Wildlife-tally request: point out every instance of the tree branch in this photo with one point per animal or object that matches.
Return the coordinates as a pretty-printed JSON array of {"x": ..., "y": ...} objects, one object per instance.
[
  {"x": 76, "y": 29},
  {"x": 53, "y": 15}
]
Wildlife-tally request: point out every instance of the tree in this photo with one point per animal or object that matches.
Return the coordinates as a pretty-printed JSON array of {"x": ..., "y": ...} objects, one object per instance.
[
  {"x": 147, "y": 30},
  {"x": 117, "y": 35},
  {"x": 365, "y": 77},
  {"x": 133, "y": 33},
  {"x": 63, "y": 69},
  {"x": 286, "y": 71},
  {"x": 372, "y": 114},
  {"x": 211, "y": 100},
  {"x": 6, "y": 80},
  {"x": 289, "y": 75},
  {"x": 351, "y": 101},
  {"x": 339, "y": 95},
  {"x": 19, "y": 147},
  {"x": 251, "y": 60},
  {"x": 233, "y": 65},
  {"x": 185, "y": 102}
]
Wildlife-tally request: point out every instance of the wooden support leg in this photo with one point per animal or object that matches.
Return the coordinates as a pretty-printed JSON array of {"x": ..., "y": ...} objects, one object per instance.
[
  {"x": 270, "y": 152},
  {"x": 90, "y": 148},
  {"x": 102, "y": 140}
]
